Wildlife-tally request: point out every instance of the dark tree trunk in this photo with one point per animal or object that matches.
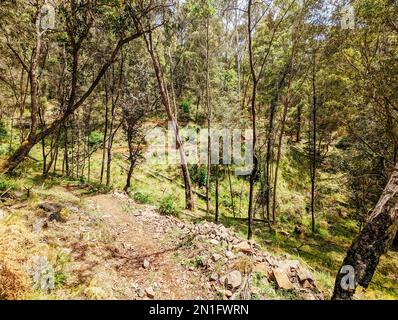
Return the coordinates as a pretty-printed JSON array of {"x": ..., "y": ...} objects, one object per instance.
[
  {"x": 231, "y": 191},
  {"x": 373, "y": 241},
  {"x": 253, "y": 120},
  {"x": 394, "y": 246},
  {"x": 270, "y": 139},
  {"x": 298, "y": 124},
  {"x": 208, "y": 107},
  {"x": 65, "y": 166},
  {"x": 278, "y": 158},
  {"x": 267, "y": 170},
  {"x": 313, "y": 156},
  {"x": 105, "y": 132},
  {"x": 132, "y": 159}
]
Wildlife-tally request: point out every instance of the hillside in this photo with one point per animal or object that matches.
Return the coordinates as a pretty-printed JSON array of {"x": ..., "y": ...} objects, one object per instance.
[
  {"x": 199, "y": 149},
  {"x": 66, "y": 241}
]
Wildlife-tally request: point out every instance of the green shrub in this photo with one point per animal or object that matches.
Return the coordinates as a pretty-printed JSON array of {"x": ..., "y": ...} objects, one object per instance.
[
  {"x": 4, "y": 149},
  {"x": 198, "y": 174},
  {"x": 142, "y": 197},
  {"x": 60, "y": 269},
  {"x": 95, "y": 137},
  {"x": 168, "y": 206},
  {"x": 3, "y": 131},
  {"x": 185, "y": 106},
  {"x": 198, "y": 261},
  {"x": 7, "y": 184}
]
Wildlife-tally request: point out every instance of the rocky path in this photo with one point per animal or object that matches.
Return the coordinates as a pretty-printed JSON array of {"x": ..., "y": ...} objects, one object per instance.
[
  {"x": 148, "y": 251},
  {"x": 109, "y": 247}
]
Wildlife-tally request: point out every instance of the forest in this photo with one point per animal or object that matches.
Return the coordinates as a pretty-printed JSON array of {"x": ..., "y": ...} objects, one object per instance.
[{"x": 199, "y": 149}]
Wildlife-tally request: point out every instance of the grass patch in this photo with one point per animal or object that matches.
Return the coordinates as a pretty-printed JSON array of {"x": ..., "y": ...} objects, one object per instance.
[
  {"x": 168, "y": 206},
  {"x": 142, "y": 197}
]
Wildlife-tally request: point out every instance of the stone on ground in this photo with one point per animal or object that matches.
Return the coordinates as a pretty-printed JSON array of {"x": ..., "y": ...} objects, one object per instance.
[
  {"x": 282, "y": 279},
  {"x": 233, "y": 279}
]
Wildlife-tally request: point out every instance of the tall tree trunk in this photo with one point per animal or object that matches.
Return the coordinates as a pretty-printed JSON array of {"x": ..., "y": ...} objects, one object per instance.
[
  {"x": 286, "y": 104},
  {"x": 105, "y": 131},
  {"x": 132, "y": 161},
  {"x": 267, "y": 171},
  {"x": 238, "y": 67},
  {"x": 278, "y": 158},
  {"x": 298, "y": 123},
  {"x": 270, "y": 140},
  {"x": 109, "y": 148},
  {"x": 231, "y": 191},
  {"x": 314, "y": 150},
  {"x": 66, "y": 152},
  {"x": 373, "y": 241},
  {"x": 44, "y": 156},
  {"x": 189, "y": 200},
  {"x": 395, "y": 243},
  {"x": 253, "y": 120},
  {"x": 208, "y": 107}
]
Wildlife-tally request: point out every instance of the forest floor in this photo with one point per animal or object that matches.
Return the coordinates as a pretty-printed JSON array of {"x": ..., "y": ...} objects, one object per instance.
[
  {"x": 70, "y": 244},
  {"x": 71, "y": 239}
]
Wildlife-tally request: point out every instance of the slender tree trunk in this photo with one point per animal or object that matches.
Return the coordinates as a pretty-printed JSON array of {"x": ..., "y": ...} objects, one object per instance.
[
  {"x": 278, "y": 158},
  {"x": 395, "y": 243},
  {"x": 373, "y": 241},
  {"x": 11, "y": 135},
  {"x": 66, "y": 151},
  {"x": 238, "y": 67},
  {"x": 105, "y": 131},
  {"x": 109, "y": 148},
  {"x": 189, "y": 200},
  {"x": 208, "y": 106},
  {"x": 132, "y": 164},
  {"x": 129, "y": 176},
  {"x": 44, "y": 156},
  {"x": 314, "y": 149},
  {"x": 56, "y": 156},
  {"x": 286, "y": 103},
  {"x": 298, "y": 123},
  {"x": 267, "y": 170},
  {"x": 231, "y": 191},
  {"x": 253, "y": 120}
]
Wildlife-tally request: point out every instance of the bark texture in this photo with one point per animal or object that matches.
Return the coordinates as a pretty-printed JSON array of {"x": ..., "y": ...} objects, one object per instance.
[{"x": 373, "y": 241}]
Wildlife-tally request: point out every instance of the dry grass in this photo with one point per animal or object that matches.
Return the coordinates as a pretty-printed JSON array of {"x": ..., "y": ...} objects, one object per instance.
[
  {"x": 14, "y": 281},
  {"x": 12, "y": 284}
]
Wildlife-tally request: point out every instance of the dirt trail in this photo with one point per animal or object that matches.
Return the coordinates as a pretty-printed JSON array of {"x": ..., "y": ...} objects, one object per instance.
[
  {"x": 140, "y": 242},
  {"x": 107, "y": 246}
]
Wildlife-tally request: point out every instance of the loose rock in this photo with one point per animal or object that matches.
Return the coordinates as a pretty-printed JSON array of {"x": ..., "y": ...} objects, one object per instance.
[
  {"x": 233, "y": 280},
  {"x": 244, "y": 247},
  {"x": 214, "y": 276},
  {"x": 50, "y": 207},
  {"x": 146, "y": 264},
  {"x": 282, "y": 279},
  {"x": 215, "y": 257},
  {"x": 150, "y": 293}
]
